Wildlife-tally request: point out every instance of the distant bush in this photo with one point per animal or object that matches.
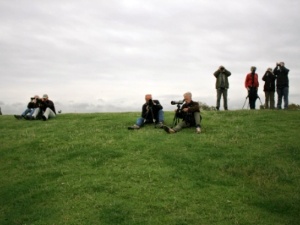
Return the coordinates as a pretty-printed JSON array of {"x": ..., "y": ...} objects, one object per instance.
[
  {"x": 294, "y": 106},
  {"x": 204, "y": 106},
  {"x": 291, "y": 106}
]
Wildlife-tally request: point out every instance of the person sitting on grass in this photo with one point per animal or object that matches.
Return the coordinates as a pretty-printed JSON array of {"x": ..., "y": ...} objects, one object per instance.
[
  {"x": 47, "y": 109},
  {"x": 190, "y": 114},
  {"x": 31, "y": 106},
  {"x": 152, "y": 112}
]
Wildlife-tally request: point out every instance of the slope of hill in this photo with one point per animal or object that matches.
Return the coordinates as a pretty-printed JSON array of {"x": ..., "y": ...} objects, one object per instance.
[{"x": 244, "y": 168}]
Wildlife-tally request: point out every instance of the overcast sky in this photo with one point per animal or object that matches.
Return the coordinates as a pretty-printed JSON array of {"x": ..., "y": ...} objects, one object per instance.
[{"x": 104, "y": 56}]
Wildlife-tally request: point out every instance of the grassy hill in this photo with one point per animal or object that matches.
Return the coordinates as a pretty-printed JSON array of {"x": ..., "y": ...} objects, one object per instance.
[{"x": 89, "y": 169}]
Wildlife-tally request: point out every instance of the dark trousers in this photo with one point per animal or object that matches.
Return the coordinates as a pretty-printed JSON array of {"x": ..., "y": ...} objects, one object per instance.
[
  {"x": 220, "y": 92},
  {"x": 252, "y": 95},
  {"x": 283, "y": 93},
  {"x": 269, "y": 100}
]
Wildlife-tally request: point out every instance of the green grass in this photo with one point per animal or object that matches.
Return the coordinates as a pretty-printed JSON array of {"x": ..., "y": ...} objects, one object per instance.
[{"x": 89, "y": 169}]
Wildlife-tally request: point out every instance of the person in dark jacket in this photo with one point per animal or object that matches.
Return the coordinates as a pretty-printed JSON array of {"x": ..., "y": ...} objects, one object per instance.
[
  {"x": 190, "y": 114},
  {"x": 222, "y": 86},
  {"x": 152, "y": 112},
  {"x": 46, "y": 108},
  {"x": 282, "y": 84},
  {"x": 252, "y": 84},
  {"x": 31, "y": 106},
  {"x": 269, "y": 88}
]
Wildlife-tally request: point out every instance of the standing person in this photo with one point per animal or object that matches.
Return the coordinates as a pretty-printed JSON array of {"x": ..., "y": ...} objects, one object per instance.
[
  {"x": 251, "y": 83},
  {"x": 152, "y": 112},
  {"x": 47, "y": 109},
  {"x": 282, "y": 84},
  {"x": 222, "y": 86},
  {"x": 269, "y": 88},
  {"x": 31, "y": 106},
  {"x": 190, "y": 114}
]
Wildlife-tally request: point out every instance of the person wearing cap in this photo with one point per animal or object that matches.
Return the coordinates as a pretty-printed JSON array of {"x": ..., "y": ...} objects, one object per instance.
[
  {"x": 269, "y": 88},
  {"x": 252, "y": 84},
  {"x": 47, "y": 109},
  {"x": 282, "y": 84},
  {"x": 222, "y": 86},
  {"x": 31, "y": 106}
]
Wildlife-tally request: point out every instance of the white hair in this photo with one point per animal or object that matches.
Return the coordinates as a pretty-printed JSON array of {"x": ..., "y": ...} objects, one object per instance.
[{"x": 187, "y": 94}]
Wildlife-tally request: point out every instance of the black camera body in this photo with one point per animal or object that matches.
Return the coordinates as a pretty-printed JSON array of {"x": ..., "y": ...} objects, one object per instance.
[{"x": 150, "y": 103}]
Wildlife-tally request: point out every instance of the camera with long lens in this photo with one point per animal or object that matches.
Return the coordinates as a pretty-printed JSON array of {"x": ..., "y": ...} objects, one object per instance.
[
  {"x": 177, "y": 102},
  {"x": 38, "y": 100},
  {"x": 178, "y": 112}
]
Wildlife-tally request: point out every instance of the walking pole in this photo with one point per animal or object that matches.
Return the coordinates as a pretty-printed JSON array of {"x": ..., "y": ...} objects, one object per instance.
[
  {"x": 259, "y": 100},
  {"x": 245, "y": 102}
]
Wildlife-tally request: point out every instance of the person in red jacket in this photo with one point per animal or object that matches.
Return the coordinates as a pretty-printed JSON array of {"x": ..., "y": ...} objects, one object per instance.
[{"x": 251, "y": 83}]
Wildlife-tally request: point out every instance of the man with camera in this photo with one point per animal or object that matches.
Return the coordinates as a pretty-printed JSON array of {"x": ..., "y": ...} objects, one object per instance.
[
  {"x": 46, "y": 108},
  {"x": 31, "y": 106},
  {"x": 222, "y": 86},
  {"x": 152, "y": 112},
  {"x": 251, "y": 83},
  {"x": 282, "y": 84},
  {"x": 189, "y": 113}
]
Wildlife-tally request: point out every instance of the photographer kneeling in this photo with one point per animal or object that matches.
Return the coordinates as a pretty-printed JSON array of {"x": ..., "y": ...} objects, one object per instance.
[
  {"x": 190, "y": 114},
  {"x": 151, "y": 113}
]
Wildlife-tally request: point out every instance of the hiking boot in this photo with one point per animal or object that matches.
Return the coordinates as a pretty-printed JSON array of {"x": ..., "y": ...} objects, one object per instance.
[
  {"x": 27, "y": 117},
  {"x": 198, "y": 130},
  {"x": 169, "y": 130},
  {"x": 134, "y": 127},
  {"x": 18, "y": 117}
]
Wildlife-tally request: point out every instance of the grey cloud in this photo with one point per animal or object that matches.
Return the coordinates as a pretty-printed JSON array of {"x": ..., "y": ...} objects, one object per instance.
[{"x": 85, "y": 51}]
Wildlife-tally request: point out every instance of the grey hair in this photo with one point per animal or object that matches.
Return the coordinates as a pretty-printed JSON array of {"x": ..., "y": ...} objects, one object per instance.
[{"x": 188, "y": 93}]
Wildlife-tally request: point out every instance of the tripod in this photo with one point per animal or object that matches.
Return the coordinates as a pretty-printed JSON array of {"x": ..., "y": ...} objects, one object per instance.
[
  {"x": 176, "y": 118},
  {"x": 249, "y": 102},
  {"x": 150, "y": 110}
]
